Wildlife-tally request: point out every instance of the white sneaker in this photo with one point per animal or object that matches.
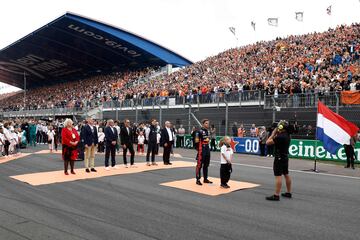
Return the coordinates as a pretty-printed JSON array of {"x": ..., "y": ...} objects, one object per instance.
[
  {"x": 126, "y": 166},
  {"x": 115, "y": 167},
  {"x": 107, "y": 168}
]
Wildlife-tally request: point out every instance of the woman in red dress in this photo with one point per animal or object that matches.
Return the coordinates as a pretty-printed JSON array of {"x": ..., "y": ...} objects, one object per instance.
[{"x": 70, "y": 139}]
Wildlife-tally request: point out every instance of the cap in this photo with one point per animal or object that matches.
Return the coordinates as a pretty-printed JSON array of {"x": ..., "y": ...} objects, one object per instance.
[{"x": 282, "y": 124}]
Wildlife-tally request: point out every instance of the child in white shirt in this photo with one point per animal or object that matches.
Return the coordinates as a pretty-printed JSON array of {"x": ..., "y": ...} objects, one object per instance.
[
  {"x": 51, "y": 138},
  {"x": 141, "y": 140},
  {"x": 13, "y": 142},
  {"x": 101, "y": 137},
  {"x": 226, "y": 153}
]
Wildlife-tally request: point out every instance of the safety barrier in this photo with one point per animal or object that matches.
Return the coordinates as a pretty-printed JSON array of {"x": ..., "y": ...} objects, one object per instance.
[{"x": 299, "y": 148}]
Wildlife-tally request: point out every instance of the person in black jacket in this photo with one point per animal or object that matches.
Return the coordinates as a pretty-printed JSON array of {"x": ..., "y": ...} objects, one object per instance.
[
  {"x": 193, "y": 136},
  {"x": 127, "y": 142},
  {"x": 350, "y": 153},
  {"x": 167, "y": 141},
  {"x": 89, "y": 138},
  {"x": 111, "y": 136},
  {"x": 151, "y": 138},
  {"x": 280, "y": 138}
]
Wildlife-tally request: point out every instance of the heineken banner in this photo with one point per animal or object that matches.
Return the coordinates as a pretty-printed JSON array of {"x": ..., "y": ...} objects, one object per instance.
[
  {"x": 311, "y": 149},
  {"x": 305, "y": 149}
]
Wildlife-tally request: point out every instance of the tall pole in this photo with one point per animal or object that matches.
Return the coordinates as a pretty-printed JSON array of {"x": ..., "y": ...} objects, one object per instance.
[
  {"x": 226, "y": 117},
  {"x": 24, "y": 90},
  {"x": 316, "y": 141}
]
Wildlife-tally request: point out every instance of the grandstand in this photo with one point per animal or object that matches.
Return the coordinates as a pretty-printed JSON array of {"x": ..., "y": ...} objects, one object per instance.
[
  {"x": 92, "y": 72},
  {"x": 261, "y": 77}
]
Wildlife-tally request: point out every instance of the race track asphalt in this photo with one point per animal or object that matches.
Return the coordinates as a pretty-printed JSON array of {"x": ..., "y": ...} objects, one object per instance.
[{"x": 135, "y": 206}]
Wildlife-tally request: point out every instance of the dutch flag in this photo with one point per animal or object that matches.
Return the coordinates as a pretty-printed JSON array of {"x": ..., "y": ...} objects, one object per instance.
[{"x": 332, "y": 129}]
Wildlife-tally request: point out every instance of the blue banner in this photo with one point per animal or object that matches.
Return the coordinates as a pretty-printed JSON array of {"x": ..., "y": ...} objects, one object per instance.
[{"x": 246, "y": 145}]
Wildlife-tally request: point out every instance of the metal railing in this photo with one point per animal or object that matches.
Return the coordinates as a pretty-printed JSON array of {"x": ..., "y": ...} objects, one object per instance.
[
  {"x": 302, "y": 100},
  {"x": 43, "y": 112},
  {"x": 256, "y": 97}
]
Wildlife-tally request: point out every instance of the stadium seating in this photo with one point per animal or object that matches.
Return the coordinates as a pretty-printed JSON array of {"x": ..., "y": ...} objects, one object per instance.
[{"x": 312, "y": 63}]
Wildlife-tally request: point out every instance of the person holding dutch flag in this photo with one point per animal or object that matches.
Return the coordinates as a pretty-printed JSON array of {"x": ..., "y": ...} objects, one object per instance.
[{"x": 334, "y": 131}]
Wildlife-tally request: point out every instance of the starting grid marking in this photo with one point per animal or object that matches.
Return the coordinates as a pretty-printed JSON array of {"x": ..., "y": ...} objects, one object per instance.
[
  {"x": 44, "y": 178},
  {"x": 213, "y": 189},
  {"x": 12, "y": 157},
  {"x": 52, "y": 177},
  {"x": 176, "y": 155}
]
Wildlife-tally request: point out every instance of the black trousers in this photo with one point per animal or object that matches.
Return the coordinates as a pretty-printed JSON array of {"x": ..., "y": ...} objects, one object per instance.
[
  {"x": 110, "y": 148},
  {"x": 270, "y": 150},
  {"x": 212, "y": 145},
  {"x": 6, "y": 148},
  {"x": 101, "y": 147},
  {"x": 157, "y": 149},
  {"x": 44, "y": 137},
  {"x": 151, "y": 149},
  {"x": 225, "y": 172},
  {"x": 129, "y": 147},
  {"x": 203, "y": 161},
  {"x": 262, "y": 149},
  {"x": 167, "y": 151},
  {"x": 350, "y": 155},
  {"x": 181, "y": 141},
  {"x": 38, "y": 137}
]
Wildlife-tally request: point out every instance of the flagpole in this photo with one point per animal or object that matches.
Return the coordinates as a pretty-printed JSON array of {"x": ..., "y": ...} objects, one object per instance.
[{"x": 316, "y": 141}]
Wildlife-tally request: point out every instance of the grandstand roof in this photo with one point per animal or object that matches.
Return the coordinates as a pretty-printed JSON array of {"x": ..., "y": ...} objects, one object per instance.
[{"x": 73, "y": 47}]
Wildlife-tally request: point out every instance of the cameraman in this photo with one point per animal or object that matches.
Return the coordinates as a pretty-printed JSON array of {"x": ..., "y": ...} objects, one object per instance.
[{"x": 280, "y": 138}]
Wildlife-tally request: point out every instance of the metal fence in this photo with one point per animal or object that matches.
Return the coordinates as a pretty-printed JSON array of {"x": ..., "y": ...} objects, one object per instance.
[
  {"x": 302, "y": 100},
  {"x": 43, "y": 112},
  {"x": 254, "y": 97}
]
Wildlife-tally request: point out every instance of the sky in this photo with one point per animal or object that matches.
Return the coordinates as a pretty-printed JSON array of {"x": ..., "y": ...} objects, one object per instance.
[{"x": 195, "y": 29}]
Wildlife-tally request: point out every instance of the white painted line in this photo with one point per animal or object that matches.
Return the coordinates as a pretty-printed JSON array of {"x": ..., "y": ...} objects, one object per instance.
[{"x": 297, "y": 171}]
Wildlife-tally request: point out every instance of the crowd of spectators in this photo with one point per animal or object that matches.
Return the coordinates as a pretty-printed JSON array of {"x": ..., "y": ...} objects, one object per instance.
[
  {"x": 77, "y": 94},
  {"x": 311, "y": 63},
  {"x": 316, "y": 62}
]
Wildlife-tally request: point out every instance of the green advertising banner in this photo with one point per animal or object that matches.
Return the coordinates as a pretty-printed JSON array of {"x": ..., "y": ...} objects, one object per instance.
[
  {"x": 311, "y": 149},
  {"x": 303, "y": 149}
]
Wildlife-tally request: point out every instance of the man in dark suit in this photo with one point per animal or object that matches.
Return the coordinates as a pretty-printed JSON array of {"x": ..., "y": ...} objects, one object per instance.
[
  {"x": 167, "y": 141},
  {"x": 127, "y": 138},
  {"x": 111, "y": 136},
  {"x": 151, "y": 138},
  {"x": 89, "y": 138}
]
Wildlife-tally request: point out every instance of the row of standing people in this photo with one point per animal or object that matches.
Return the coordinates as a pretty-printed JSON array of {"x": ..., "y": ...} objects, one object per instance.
[{"x": 89, "y": 137}]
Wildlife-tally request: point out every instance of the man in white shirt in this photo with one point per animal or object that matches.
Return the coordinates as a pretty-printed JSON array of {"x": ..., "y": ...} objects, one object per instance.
[
  {"x": 181, "y": 136},
  {"x": 167, "y": 140},
  {"x": 116, "y": 125}
]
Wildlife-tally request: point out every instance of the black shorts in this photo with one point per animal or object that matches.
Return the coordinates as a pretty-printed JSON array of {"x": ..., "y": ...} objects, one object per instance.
[{"x": 281, "y": 166}]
